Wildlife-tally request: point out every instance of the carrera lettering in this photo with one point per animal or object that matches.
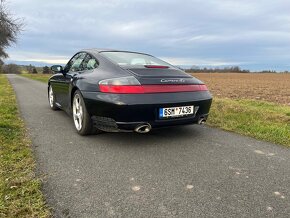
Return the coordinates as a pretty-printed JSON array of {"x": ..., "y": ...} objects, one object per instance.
[{"x": 172, "y": 80}]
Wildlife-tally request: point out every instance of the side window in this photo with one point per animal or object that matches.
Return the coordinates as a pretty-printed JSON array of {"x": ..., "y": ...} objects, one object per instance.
[
  {"x": 70, "y": 63},
  {"x": 76, "y": 64},
  {"x": 90, "y": 63}
]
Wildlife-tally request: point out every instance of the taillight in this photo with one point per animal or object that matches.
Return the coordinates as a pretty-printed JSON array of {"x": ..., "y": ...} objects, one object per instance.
[
  {"x": 130, "y": 85},
  {"x": 122, "y": 89}
]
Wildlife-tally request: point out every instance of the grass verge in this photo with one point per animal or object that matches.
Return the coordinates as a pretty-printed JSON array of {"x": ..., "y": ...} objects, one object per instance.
[
  {"x": 259, "y": 119},
  {"x": 262, "y": 120},
  {"x": 38, "y": 77},
  {"x": 20, "y": 194}
]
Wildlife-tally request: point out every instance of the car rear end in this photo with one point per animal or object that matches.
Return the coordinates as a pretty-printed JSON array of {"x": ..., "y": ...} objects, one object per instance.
[{"x": 151, "y": 96}]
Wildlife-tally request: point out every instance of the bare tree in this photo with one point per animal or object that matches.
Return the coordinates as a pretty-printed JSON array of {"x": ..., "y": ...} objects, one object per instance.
[{"x": 10, "y": 27}]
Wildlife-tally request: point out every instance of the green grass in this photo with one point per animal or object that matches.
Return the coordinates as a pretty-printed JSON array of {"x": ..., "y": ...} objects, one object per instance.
[
  {"x": 262, "y": 120},
  {"x": 20, "y": 194},
  {"x": 38, "y": 77}
]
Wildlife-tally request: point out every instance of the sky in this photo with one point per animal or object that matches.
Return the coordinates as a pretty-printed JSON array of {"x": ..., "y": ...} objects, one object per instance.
[{"x": 253, "y": 34}]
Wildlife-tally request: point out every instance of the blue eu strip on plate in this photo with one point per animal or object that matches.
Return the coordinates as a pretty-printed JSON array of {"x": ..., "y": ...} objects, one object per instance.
[{"x": 160, "y": 112}]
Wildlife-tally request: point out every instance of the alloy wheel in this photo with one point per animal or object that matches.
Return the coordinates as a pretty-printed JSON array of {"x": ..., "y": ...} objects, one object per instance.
[
  {"x": 77, "y": 112},
  {"x": 51, "y": 97}
]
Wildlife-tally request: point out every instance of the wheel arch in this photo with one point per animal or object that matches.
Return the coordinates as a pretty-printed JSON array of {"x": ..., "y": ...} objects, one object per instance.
[
  {"x": 48, "y": 85},
  {"x": 73, "y": 90}
]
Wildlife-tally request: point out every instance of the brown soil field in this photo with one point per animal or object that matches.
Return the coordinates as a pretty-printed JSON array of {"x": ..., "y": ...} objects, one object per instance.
[{"x": 271, "y": 87}]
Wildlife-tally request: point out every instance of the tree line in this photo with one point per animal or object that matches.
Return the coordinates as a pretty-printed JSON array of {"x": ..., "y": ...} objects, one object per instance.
[
  {"x": 18, "y": 69},
  {"x": 234, "y": 69},
  {"x": 231, "y": 69}
]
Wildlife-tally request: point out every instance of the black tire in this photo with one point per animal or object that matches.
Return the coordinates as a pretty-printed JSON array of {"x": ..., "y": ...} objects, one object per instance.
[
  {"x": 51, "y": 99},
  {"x": 86, "y": 121}
]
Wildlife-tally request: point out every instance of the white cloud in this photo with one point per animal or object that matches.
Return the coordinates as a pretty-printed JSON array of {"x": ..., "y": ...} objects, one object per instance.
[
  {"x": 38, "y": 57},
  {"x": 223, "y": 31}
]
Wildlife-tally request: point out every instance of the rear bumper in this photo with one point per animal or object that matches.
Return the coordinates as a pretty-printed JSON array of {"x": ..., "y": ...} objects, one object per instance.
[{"x": 113, "y": 112}]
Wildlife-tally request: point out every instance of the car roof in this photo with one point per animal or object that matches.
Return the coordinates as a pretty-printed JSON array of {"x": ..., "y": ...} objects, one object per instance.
[{"x": 99, "y": 50}]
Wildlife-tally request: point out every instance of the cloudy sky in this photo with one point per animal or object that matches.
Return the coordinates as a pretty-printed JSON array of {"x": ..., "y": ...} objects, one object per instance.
[{"x": 254, "y": 34}]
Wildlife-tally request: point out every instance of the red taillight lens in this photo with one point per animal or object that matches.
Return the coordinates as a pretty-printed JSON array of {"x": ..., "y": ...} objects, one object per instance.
[
  {"x": 139, "y": 89},
  {"x": 130, "y": 85},
  {"x": 121, "y": 89}
]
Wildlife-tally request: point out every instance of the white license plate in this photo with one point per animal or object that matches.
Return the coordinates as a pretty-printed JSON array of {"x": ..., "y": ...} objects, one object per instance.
[{"x": 176, "y": 111}]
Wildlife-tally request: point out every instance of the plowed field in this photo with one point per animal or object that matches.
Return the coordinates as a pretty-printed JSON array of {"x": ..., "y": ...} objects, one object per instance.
[{"x": 267, "y": 86}]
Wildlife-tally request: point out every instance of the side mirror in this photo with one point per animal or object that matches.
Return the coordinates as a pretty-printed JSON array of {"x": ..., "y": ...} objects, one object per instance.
[{"x": 57, "y": 69}]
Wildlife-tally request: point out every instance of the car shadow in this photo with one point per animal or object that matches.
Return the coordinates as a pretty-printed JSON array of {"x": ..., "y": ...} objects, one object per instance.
[
  {"x": 178, "y": 134},
  {"x": 192, "y": 134}
]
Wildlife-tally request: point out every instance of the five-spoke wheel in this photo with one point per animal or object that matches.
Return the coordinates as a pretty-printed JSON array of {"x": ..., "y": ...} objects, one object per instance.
[
  {"x": 81, "y": 118},
  {"x": 77, "y": 112}
]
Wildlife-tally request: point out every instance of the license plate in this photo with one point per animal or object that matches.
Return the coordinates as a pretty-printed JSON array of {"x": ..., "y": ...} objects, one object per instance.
[{"x": 176, "y": 111}]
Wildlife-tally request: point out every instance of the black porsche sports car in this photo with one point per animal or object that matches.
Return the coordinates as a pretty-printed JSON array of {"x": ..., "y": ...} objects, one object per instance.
[{"x": 110, "y": 90}]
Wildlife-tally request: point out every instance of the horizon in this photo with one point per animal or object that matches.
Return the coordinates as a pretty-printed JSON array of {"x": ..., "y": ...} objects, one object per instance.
[{"x": 183, "y": 67}]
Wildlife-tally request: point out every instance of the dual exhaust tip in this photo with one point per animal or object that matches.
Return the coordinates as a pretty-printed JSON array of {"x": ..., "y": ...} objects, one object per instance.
[
  {"x": 146, "y": 127},
  {"x": 143, "y": 128}
]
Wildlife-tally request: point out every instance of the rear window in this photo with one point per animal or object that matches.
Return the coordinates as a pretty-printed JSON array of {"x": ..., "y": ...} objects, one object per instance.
[{"x": 133, "y": 59}]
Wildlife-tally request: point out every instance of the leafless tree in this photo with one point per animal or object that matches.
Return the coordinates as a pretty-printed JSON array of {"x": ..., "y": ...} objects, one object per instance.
[{"x": 10, "y": 27}]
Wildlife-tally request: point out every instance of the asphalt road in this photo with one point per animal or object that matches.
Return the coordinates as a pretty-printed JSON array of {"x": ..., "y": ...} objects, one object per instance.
[{"x": 190, "y": 171}]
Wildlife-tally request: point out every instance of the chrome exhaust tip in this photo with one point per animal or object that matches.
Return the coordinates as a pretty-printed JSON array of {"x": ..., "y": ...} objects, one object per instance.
[
  {"x": 143, "y": 128},
  {"x": 201, "y": 121}
]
